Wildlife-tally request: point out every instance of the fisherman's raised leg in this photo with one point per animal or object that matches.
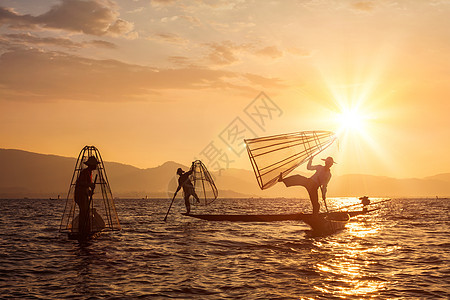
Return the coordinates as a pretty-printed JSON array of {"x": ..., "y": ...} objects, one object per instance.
[{"x": 294, "y": 180}]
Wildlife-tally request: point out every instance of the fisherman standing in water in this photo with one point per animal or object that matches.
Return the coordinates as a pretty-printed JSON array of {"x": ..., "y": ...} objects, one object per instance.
[
  {"x": 188, "y": 188},
  {"x": 312, "y": 184},
  {"x": 84, "y": 188}
]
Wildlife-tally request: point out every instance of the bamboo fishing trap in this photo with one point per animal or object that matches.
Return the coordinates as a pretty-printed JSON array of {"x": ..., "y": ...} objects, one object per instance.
[
  {"x": 103, "y": 214},
  {"x": 280, "y": 154},
  {"x": 203, "y": 183}
]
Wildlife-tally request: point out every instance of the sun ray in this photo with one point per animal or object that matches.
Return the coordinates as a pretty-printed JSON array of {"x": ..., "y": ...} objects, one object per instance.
[{"x": 357, "y": 96}]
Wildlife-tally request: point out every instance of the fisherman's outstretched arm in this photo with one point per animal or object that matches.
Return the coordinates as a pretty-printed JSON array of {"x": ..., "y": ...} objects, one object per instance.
[
  {"x": 309, "y": 166},
  {"x": 191, "y": 170}
]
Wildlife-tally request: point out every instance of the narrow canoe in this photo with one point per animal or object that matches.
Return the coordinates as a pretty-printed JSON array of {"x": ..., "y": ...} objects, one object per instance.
[
  {"x": 273, "y": 218},
  {"x": 81, "y": 238}
]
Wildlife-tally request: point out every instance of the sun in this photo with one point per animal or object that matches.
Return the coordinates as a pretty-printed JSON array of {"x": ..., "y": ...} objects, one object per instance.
[{"x": 351, "y": 120}]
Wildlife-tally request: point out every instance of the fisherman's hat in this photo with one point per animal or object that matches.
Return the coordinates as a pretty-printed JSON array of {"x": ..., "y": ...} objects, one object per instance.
[
  {"x": 180, "y": 171},
  {"x": 329, "y": 159},
  {"x": 92, "y": 161}
]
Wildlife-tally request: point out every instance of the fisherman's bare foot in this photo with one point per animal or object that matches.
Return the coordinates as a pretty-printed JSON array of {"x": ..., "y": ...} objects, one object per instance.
[{"x": 280, "y": 178}]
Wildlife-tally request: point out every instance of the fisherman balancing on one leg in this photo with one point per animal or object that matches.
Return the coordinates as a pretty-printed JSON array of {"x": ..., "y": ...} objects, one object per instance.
[
  {"x": 188, "y": 188},
  {"x": 312, "y": 184},
  {"x": 84, "y": 188}
]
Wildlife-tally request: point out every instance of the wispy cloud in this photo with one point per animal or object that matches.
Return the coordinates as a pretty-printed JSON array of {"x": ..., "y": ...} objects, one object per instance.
[
  {"x": 299, "y": 51},
  {"x": 363, "y": 6},
  {"x": 264, "y": 81},
  {"x": 191, "y": 20},
  {"x": 270, "y": 51},
  {"x": 33, "y": 40},
  {"x": 32, "y": 75},
  {"x": 227, "y": 52},
  {"x": 89, "y": 17},
  {"x": 224, "y": 53},
  {"x": 168, "y": 38}
]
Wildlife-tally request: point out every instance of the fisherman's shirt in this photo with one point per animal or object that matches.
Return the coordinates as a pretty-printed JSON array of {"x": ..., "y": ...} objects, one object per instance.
[
  {"x": 322, "y": 175},
  {"x": 185, "y": 182}
]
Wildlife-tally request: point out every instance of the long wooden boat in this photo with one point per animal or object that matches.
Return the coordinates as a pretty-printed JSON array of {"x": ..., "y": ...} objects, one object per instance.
[
  {"x": 271, "y": 217},
  {"x": 321, "y": 224}
]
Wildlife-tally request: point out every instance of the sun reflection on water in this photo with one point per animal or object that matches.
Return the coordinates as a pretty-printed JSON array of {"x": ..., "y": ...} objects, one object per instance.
[
  {"x": 359, "y": 231},
  {"x": 347, "y": 263}
]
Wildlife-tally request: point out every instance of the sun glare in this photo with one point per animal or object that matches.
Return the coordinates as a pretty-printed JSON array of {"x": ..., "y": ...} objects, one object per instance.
[
  {"x": 354, "y": 94},
  {"x": 351, "y": 120}
]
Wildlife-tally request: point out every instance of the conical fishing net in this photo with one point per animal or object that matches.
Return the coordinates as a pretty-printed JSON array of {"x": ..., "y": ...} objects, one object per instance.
[
  {"x": 103, "y": 215},
  {"x": 282, "y": 153},
  {"x": 203, "y": 183}
]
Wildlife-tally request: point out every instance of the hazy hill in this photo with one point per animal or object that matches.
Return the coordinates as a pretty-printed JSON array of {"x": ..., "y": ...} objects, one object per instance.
[
  {"x": 27, "y": 174},
  {"x": 441, "y": 177},
  {"x": 357, "y": 185}
]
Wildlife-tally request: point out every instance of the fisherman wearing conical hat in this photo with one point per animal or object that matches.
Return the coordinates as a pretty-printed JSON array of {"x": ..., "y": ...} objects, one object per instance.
[
  {"x": 312, "y": 184},
  {"x": 188, "y": 188},
  {"x": 84, "y": 188}
]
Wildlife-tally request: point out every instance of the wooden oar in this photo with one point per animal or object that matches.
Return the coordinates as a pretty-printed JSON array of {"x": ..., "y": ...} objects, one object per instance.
[
  {"x": 90, "y": 202},
  {"x": 92, "y": 194},
  {"x": 82, "y": 236},
  {"x": 174, "y": 195},
  {"x": 324, "y": 200}
]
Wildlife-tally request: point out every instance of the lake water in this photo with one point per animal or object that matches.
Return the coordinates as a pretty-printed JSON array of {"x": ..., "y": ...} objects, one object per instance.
[{"x": 400, "y": 251}]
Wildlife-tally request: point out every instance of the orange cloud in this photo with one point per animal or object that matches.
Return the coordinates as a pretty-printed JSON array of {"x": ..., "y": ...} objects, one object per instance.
[
  {"x": 224, "y": 53},
  {"x": 227, "y": 52},
  {"x": 169, "y": 37},
  {"x": 90, "y": 17},
  {"x": 270, "y": 51},
  {"x": 32, "y": 75},
  {"x": 30, "y": 39},
  {"x": 364, "y": 6}
]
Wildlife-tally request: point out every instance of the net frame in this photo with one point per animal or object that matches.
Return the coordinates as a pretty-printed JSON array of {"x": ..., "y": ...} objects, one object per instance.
[{"x": 292, "y": 150}]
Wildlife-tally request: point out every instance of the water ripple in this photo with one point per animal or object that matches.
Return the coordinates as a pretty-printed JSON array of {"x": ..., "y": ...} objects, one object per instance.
[{"x": 398, "y": 252}]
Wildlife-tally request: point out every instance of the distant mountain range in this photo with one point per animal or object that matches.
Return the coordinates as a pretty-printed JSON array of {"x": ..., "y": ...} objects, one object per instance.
[{"x": 33, "y": 175}]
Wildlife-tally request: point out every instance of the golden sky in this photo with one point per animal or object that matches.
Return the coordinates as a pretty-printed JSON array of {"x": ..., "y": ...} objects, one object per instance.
[{"x": 152, "y": 81}]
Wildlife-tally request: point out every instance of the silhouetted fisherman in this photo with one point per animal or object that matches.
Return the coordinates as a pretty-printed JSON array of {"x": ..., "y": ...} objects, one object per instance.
[
  {"x": 84, "y": 188},
  {"x": 365, "y": 201},
  {"x": 312, "y": 184},
  {"x": 188, "y": 188}
]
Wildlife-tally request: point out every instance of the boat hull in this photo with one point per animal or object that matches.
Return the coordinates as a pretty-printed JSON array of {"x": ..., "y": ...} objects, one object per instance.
[
  {"x": 271, "y": 218},
  {"x": 321, "y": 224},
  {"x": 327, "y": 224},
  {"x": 83, "y": 238}
]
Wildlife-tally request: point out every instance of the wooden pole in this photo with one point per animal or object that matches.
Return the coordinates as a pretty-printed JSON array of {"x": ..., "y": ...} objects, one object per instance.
[{"x": 165, "y": 218}]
